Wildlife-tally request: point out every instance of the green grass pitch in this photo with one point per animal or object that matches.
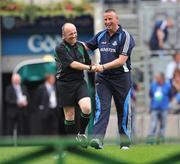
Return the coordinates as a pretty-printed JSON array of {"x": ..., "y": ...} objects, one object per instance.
[{"x": 136, "y": 154}]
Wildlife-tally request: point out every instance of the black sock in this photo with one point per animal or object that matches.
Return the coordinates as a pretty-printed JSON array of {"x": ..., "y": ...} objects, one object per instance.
[
  {"x": 70, "y": 127},
  {"x": 84, "y": 120}
]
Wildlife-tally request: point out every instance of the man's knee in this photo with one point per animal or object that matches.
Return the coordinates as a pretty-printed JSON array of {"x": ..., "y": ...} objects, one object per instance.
[
  {"x": 69, "y": 114},
  {"x": 86, "y": 109},
  {"x": 85, "y": 105}
]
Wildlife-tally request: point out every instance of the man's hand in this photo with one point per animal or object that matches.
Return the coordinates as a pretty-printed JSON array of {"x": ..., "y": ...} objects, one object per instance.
[
  {"x": 93, "y": 68},
  {"x": 22, "y": 104},
  {"x": 100, "y": 68}
]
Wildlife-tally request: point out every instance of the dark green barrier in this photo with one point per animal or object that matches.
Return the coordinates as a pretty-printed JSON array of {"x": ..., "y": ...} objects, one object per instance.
[
  {"x": 53, "y": 145},
  {"x": 58, "y": 145}
]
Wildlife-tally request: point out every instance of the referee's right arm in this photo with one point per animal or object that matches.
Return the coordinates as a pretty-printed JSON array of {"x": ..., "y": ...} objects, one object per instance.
[
  {"x": 67, "y": 60},
  {"x": 80, "y": 66}
]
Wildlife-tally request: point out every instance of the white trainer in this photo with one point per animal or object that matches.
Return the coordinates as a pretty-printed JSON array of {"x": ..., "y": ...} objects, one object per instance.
[{"x": 125, "y": 148}]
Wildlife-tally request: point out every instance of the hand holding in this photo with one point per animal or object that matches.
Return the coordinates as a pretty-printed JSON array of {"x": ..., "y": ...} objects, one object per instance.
[
  {"x": 93, "y": 68},
  {"x": 99, "y": 68}
]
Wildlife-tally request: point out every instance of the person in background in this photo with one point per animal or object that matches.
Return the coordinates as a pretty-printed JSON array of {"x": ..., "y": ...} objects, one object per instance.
[
  {"x": 160, "y": 95},
  {"x": 160, "y": 35},
  {"x": 16, "y": 97},
  {"x": 175, "y": 91},
  {"x": 175, "y": 63},
  {"x": 46, "y": 104}
]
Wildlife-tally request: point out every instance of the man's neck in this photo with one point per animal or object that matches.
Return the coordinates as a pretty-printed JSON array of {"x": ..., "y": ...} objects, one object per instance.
[
  {"x": 71, "y": 44},
  {"x": 111, "y": 32}
]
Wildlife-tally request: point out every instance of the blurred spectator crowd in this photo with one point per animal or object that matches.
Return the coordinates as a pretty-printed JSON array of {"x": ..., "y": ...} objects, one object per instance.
[
  {"x": 164, "y": 95},
  {"x": 37, "y": 114}
]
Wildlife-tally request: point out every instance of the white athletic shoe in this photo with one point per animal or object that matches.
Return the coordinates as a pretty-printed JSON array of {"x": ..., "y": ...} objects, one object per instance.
[{"x": 125, "y": 148}]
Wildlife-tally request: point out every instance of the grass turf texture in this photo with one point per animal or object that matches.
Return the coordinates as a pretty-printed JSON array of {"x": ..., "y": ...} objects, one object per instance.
[{"x": 137, "y": 154}]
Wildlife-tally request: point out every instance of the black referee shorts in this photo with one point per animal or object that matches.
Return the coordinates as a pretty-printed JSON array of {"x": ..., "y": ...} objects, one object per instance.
[{"x": 69, "y": 93}]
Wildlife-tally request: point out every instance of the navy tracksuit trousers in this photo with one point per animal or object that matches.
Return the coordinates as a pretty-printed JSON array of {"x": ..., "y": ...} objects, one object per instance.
[{"x": 120, "y": 89}]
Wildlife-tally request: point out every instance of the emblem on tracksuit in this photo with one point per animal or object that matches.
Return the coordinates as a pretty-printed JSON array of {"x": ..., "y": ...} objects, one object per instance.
[{"x": 114, "y": 43}]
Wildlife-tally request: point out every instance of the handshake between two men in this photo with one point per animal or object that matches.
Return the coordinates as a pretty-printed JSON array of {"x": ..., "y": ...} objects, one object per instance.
[{"x": 96, "y": 68}]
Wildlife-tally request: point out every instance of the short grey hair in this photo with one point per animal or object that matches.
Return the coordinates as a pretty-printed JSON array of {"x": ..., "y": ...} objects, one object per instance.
[{"x": 110, "y": 10}]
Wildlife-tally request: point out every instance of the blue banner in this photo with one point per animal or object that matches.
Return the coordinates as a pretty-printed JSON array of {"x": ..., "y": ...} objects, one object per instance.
[
  {"x": 20, "y": 37},
  {"x": 32, "y": 44}
]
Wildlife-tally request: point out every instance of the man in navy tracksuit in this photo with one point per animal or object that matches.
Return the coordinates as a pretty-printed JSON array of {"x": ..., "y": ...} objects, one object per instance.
[{"x": 113, "y": 79}]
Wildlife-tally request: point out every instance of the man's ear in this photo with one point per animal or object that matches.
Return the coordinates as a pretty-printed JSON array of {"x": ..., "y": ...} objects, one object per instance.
[{"x": 62, "y": 35}]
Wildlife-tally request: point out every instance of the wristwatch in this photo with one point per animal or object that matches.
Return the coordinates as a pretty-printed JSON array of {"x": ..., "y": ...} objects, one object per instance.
[{"x": 103, "y": 67}]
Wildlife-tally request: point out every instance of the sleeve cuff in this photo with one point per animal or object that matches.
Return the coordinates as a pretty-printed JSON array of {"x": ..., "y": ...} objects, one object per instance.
[{"x": 125, "y": 54}]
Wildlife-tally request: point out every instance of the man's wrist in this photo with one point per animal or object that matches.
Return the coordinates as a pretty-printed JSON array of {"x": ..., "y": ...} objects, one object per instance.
[
  {"x": 103, "y": 67},
  {"x": 90, "y": 68}
]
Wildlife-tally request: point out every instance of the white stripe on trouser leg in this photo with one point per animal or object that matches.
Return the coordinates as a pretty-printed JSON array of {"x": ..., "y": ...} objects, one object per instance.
[
  {"x": 129, "y": 122},
  {"x": 126, "y": 123}
]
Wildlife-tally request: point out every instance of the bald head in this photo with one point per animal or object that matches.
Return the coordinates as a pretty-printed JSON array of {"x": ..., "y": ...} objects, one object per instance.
[
  {"x": 67, "y": 26},
  {"x": 69, "y": 33},
  {"x": 16, "y": 79}
]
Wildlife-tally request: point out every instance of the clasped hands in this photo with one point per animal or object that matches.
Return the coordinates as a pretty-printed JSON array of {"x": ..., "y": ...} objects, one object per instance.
[{"x": 97, "y": 68}]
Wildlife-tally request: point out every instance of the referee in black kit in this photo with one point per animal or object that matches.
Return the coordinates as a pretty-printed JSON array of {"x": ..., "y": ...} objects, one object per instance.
[{"x": 71, "y": 59}]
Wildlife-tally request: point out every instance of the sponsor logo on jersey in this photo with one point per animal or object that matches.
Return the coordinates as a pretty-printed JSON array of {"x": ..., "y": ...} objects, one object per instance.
[{"x": 107, "y": 49}]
